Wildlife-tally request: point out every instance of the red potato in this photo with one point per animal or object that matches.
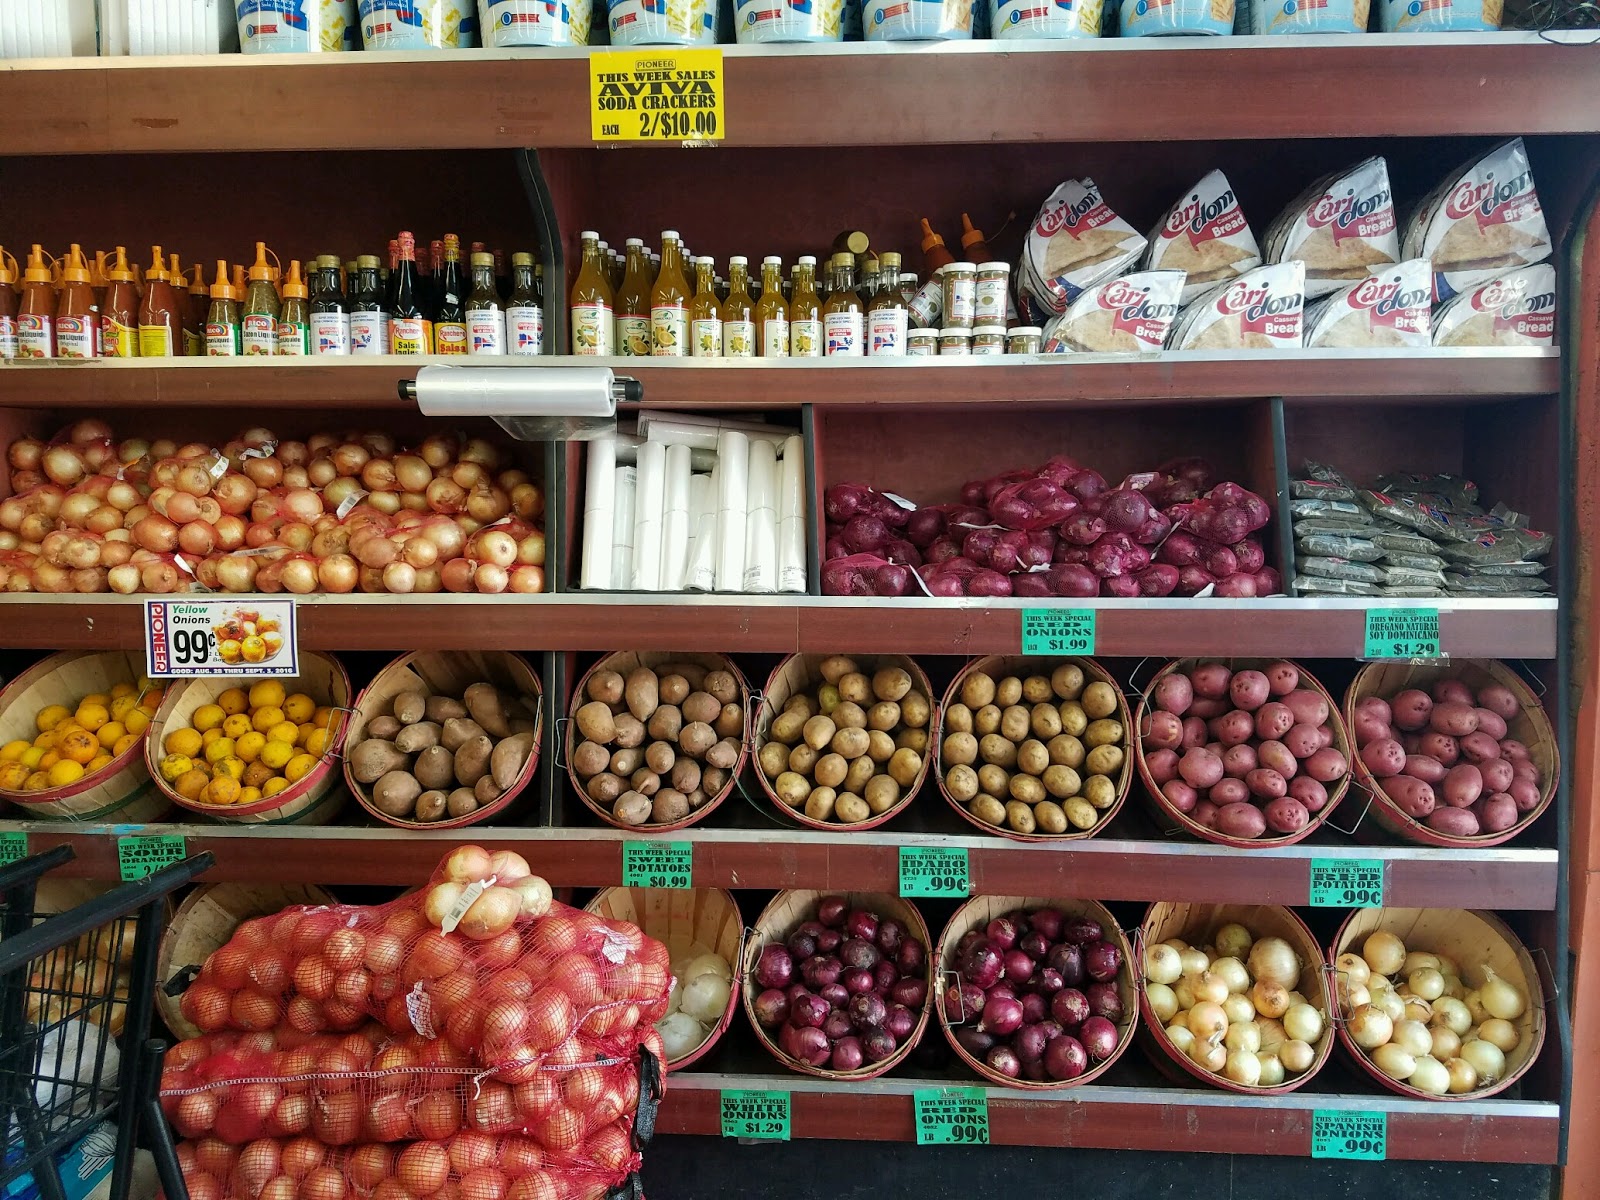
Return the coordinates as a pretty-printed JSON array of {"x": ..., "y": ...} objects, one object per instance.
[
  {"x": 1451, "y": 691},
  {"x": 1499, "y": 699},
  {"x": 1200, "y": 768},
  {"x": 1462, "y": 786},
  {"x": 1239, "y": 761},
  {"x": 1497, "y": 774},
  {"x": 1384, "y": 757},
  {"x": 1441, "y": 746},
  {"x": 1414, "y": 797},
  {"x": 1241, "y": 821},
  {"x": 1180, "y": 795},
  {"x": 1311, "y": 794},
  {"x": 1367, "y": 727},
  {"x": 1162, "y": 731},
  {"x": 1173, "y": 693},
  {"x": 1195, "y": 733},
  {"x": 1216, "y": 748},
  {"x": 1326, "y": 765},
  {"x": 1325, "y": 734},
  {"x": 1411, "y": 709},
  {"x": 1228, "y": 791},
  {"x": 1211, "y": 680},
  {"x": 1457, "y": 720},
  {"x": 1205, "y": 813},
  {"x": 1412, "y": 742},
  {"x": 1162, "y": 765},
  {"x": 1275, "y": 756},
  {"x": 1266, "y": 783},
  {"x": 1308, "y": 707},
  {"x": 1525, "y": 793},
  {"x": 1479, "y": 747},
  {"x": 1453, "y": 822},
  {"x": 1286, "y": 815},
  {"x": 1205, "y": 707},
  {"x": 1273, "y": 720},
  {"x": 1513, "y": 749},
  {"x": 1283, "y": 677},
  {"x": 1303, "y": 741},
  {"x": 1421, "y": 766},
  {"x": 1249, "y": 690},
  {"x": 1378, "y": 707},
  {"x": 1491, "y": 723},
  {"x": 1233, "y": 728},
  {"x": 1496, "y": 812},
  {"x": 1523, "y": 769}
]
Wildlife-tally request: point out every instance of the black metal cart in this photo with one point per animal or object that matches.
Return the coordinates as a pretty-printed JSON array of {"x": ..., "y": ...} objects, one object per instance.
[{"x": 73, "y": 1054}]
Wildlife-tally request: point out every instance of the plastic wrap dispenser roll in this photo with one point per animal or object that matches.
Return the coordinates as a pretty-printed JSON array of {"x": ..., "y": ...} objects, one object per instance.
[{"x": 533, "y": 404}]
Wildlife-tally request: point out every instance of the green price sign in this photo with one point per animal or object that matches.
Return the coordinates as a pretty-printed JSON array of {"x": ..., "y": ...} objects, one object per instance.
[
  {"x": 13, "y": 848},
  {"x": 951, "y": 1116},
  {"x": 1347, "y": 883},
  {"x": 1058, "y": 631},
  {"x": 658, "y": 864},
  {"x": 1339, "y": 1134},
  {"x": 141, "y": 856},
  {"x": 1402, "y": 633},
  {"x": 763, "y": 1115},
  {"x": 933, "y": 871}
]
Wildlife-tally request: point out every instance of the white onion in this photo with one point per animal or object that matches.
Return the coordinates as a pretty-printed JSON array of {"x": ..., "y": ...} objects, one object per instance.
[
  {"x": 1352, "y": 996},
  {"x": 1272, "y": 1034},
  {"x": 1233, "y": 941},
  {"x": 1245, "y": 1035},
  {"x": 1303, "y": 1023},
  {"x": 1194, "y": 961},
  {"x": 1232, "y": 972},
  {"x": 1391, "y": 1003},
  {"x": 1500, "y": 998},
  {"x": 1352, "y": 967},
  {"x": 1394, "y": 1062},
  {"x": 707, "y": 962},
  {"x": 1163, "y": 1002},
  {"x": 1416, "y": 960},
  {"x": 1243, "y": 1067},
  {"x": 1273, "y": 960},
  {"x": 1430, "y": 1075},
  {"x": 1474, "y": 1002},
  {"x": 1499, "y": 1033},
  {"x": 1208, "y": 986},
  {"x": 1486, "y": 1059},
  {"x": 1447, "y": 965},
  {"x": 1384, "y": 952},
  {"x": 680, "y": 1034},
  {"x": 1426, "y": 982},
  {"x": 1296, "y": 1056},
  {"x": 1417, "y": 1009},
  {"x": 1207, "y": 1019},
  {"x": 1271, "y": 1070},
  {"x": 1177, "y": 944},
  {"x": 1162, "y": 964},
  {"x": 1270, "y": 999},
  {"x": 1209, "y": 1054},
  {"x": 706, "y": 997},
  {"x": 1369, "y": 1026},
  {"x": 1238, "y": 1009},
  {"x": 1412, "y": 1037},
  {"x": 1185, "y": 994},
  {"x": 1446, "y": 1043},
  {"x": 1463, "y": 1077},
  {"x": 1180, "y": 1036}
]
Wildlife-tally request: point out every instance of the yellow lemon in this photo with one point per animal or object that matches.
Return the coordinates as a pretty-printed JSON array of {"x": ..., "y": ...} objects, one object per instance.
[
  {"x": 276, "y": 755},
  {"x": 316, "y": 743},
  {"x": 234, "y": 701},
  {"x": 237, "y": 725},
  {"x": 78, "y": 745},
  {"x": 232, "y": 766},
  {"x": 273, "y": 786},
  {"x": 299, "y": 767},
  {"x": 248, "y": 795},
  {"x": 50, "y": 759},
  {"x": 191, "y": 784},
  {"x": 13, "y": 751},
  {"x": 284, "y": 731},
  {"x": 266, "y": 694},
  {"x": 211, "y": 735},
  {"x": 137, "y": 721},
  {"x": 306, "y": 731},
  {"x": 125, "y": 743},
  {"x": 101, "y": 698},
  {"x": 121, "y": 705},
  {"x": 208, "y": 716},
  {"x": 219, "y": 749},
  {"x": 50, "y": 716},
  {"x": 256, "y": 774},
  {"x": 12, "y": 776},
  {"x": 45, "y": 740},
  {"x": 265, "y": 717},
  {"x": 299, "y": 708},
  {"x": 31, "y": 756},
  {"x": 182, "y": 741},
  {"x": 324, "y": 716},
  {"x": 111, "y": 732},
  {"x": 174, "y": 765},
  {"x": 36, "y": 782},
  {"x": 248, "y": 746},
  {"x": 92, "y": 716},
  {"x": 98, "y": 762},
  {"x": 64, "y": 772},
  {"x": 118, "y": 690},
  {"x": 223, "y": 789}
]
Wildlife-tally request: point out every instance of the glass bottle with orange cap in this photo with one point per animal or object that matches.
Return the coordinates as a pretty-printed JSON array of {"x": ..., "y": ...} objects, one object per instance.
[
  {"x": 262, "y": 307},
  {"x": 294, "y": 317},
  {"x": 36, "y": 311},
  {"x": 75, "y": 332},
  {"x": 222, "y": 317},
  {"x": 119, "y": 312},
  {"x": 160, "y": 335}
]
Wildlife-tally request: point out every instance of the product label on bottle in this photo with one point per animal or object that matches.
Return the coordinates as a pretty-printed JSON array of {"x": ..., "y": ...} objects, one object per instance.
[
  {"x": 591, "y": 329},
  {"x": 927, "y": 306},
  {"x": 8, "y": 337},
  {"x": 330, "y": 333},
  {"x": 707, "y": 338},
  {"x": 408, "y": 335},
  {"x": 193, "y": 343},
  {"x": 450, "y": 337},
  {"x": 367, "y": 333},
  {"x": 843, "y": 330},
  {"x": 116, "y": 339},
  {"x": 486, "y": 331},
  {"x": 775, "y": 338},
  {"x": 259, "y": 333},
  {"x": 989, "y": 299},
  {"x": 960, "y": 300},
  {"x": 74, "y": 337},
  {"x": 739, "y": 339},
  {"x": 525, "y": 329},
  {"x": 669, "y": 330},
  {"x": 633, "y": 336},
  {"x": 805, "y": 338},
  {"x": 35, "y": 336},
  {"x": 155, "y": 341},
  {"x": 222, "y": 341},
  {"x": 294, "y": 340},
  {"x": 886, "y": 331}
]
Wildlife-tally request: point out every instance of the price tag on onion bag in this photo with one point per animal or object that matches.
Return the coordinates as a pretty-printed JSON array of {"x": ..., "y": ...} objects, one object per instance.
[
  {"x": 1336, "y": 1133},
  {"x": 951, "y": 1116},
  {"x": 1058, "y": 631},
  {"x": 234, "y": 636},
  {"x": 658, "y": 95},
  {"x": 145, "y": 855},
  {"x": 1402, "y": 633},
  {"x": 13, "y": 848},
  {"x": 1347, "y": 883},
  {"x": 751, "y": 1114},
  {"x": 658, "y": 864},
  {"x": 933, "y": 871}
]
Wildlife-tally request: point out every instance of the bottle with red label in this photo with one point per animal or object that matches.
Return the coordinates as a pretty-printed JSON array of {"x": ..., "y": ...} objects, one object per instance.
[
  {"x": 222, "y": 317},
  {"x": 75, "y": 324},
  {"x": 294, "y": 319},
  {"x": 36, "y": 312},
  {"x": 119, "y": 312},
  {"x": 409, "y": 329},
  {"x": 262, "y": 307},
  {"x": 8, "y": 305},
  {"x": 450, "y": 317}
]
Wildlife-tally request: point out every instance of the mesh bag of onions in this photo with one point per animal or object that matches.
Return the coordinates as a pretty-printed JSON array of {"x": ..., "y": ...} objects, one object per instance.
[{"x": 477, "y": 1005}]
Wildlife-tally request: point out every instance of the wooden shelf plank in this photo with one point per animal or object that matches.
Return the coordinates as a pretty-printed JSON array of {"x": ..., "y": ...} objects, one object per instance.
[
  {"x": 1410, "y": 85},
  {"x": 1407, "y": 377},
  {"x": 1103, "y": 868}
]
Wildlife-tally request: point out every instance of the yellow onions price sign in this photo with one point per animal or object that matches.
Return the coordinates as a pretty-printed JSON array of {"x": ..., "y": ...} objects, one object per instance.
[
  {"x": 188, "y": 638},
  {"x": 659, "y": 95}
]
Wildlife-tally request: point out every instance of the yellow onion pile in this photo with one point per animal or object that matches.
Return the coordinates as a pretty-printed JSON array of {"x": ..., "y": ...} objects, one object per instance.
[{"x": 335, "y": 513}]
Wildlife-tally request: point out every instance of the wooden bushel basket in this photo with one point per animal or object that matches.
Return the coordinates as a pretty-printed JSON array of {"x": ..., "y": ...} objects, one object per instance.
[
  {"x": 1531, "y": 726},
  {"x": 1163, "y": 807},
  {"x": 447, "y": 673},
  {"x": 678, "y": 917},
  {"x": 122, "y": 788},
  {"x": 786, "y": 913},
  {"x": 978, "y": 912},
  {"x": 321, "y": 677},
  {"x": 796, "y": 674},
  {"x": 1197, "y": 924},
  {"x": 1474, "y": 939},
  {"x": 999, "y": 666}
]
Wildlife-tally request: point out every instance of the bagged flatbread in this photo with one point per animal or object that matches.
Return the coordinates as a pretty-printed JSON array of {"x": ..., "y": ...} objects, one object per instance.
[
  {"x": 1514, "y": 309},
  {"x": 1480, "y": 222},
  {"x": 1261, "y": 310},
  {"x": 1130, "y": 314},
  {"x": 1205, "y": 236},
  {"x": 1076, "y": 242},
  {"x": 1389, "y": 308},
  {"x": 1341, "y": 227}
]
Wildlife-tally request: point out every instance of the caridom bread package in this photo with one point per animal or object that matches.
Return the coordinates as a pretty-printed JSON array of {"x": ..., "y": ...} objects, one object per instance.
[
  {"x": 1390, "y": 307},
  {"x": 1205, "y": 236},
  {"x": 1514, "y": 309},
  {"x": 1076, "y": 242},
  {"x": 1341, "y": 227},
  {"x": 1126, "y": 315},
  {"x": 1481, "y": 221},
  {"x": 1261, "y": 310}
]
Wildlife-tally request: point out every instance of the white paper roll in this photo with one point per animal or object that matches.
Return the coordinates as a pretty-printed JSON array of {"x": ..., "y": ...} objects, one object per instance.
[
  {"x": 761, "y": 523},
  {"x": 686, "y": 429},
  {"x": 701, "y": 575},
  {"x": 647, "y": 509},
  {"x": 675, "y": 520},
  {"x": 792, "y": 517},
  {"x": 733, "y": 494},
  {"x": 622, "y": 527},
  {"x": 599, "y": 501}
]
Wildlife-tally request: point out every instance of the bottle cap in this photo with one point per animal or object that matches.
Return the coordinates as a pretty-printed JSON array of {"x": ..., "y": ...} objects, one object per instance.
[
  {"x": 97, "y": 270},
  {"x": 772, "y": 260},
  {"x": 807, "y": 260},
  {"x": 158, "y": 266},
  {"x": 294, "y": 287},
  {"x": 482, "y": 258},
  {"x": 669, "y": 235},
  {"x": 452, "y": 247},
  {"x": 175, "y": 275},
  {"x": 970, "y": 237},
  {"x": 261, "y": 269},
  {"x": 521, "y": 258},
  {"x": 930, "y": 239},
  {"x": 631, "y": 242},
  {"x": 843, "y": 259},
  {"x": 36, "y": 271},
  {"x": 222, "y": 289},
  {"x": 118, "y": 271},
  {"x": 74, "y": 269},
  {"x": 197, "y": 282},
  {"x": 8, "y": 267},
  {"x": 889, "y": 261},
  {"x": 740, "y": 259},
  {"x": 366, "y": 261}
]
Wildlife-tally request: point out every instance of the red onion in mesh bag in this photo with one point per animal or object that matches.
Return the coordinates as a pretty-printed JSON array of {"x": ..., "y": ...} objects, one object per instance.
[
  {"x": 864, "y": 533},
  {"x": 924, "y": 527},
  {"x": 979, "y": 545},
  {"x": 942, "y": 583},
  {"x": 1250, "y": 555},
  {"x": 989, "y": 583},
  {"x": 997, "y": 483},
  {"x": 1083, "y": 528},
  {"x": 972, "y": 491},
  {"x": 1236, "y": 586},
  {"x": 890, "y": 513},
  {"x": 892, "y": 579},
  {"x": 1072, "y": 580},
  {"x": 851, "y": 575},
  {"x": 1006, "y": 554},
  {"x": 898, "y": 550},
  {"x": 966, "y": 515},
  {"x": 1120, "y": 585},
  {"x": 1117, "y": 554},
  {"x": 1182, "y": 550},
  {"x": 1219, "y": 560},
  {"x": 1086, "y": 483},
  {"x": 1158, "y": 579},
  {"x": 942, "y": 550},
  {"x": 1153, "y": 530},
  {"x": 1124, "y": 510},
  {"x": 1268, "y": 582},
  {"x": 1192, "y": 579},
  {"x": 845, "y": 500},
  {"x": 1032, "y": 504},
  {"x": 835, "y": 548},
  {"x": 1041, "y": 549},
  {"x": 1033, "y": 584},
  {"x": 1058, "y": 469},
  {"x": 1182, "y": 480}
]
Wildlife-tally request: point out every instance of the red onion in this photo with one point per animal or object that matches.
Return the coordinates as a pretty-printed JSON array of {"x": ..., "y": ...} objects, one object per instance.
[
  {"x": 864, "y": 533},
  {"x": 885, "y": 975},
  {"x": 974, "y": 1040},
  {"x": 1001, "y": 933},
  {"x": 811, "y": 1046},
  {"x": 868, "y": 1010},
  {"x": 843, "y": 500},
  {"x": 1099, "y": 1038},
  {"x": 1003, "y": 988},
  {"x": 1081, "y": 930},
  {"x": 1034, "y": 1008},
  {"x": 828, "y": 941},
  {"x": 1102, "y": 960},
  {"x": 1029, "y": 1042},
  {"x": 808, "y": 1012},
  {"x": 772, "y": 1008},
  {"x": 1003, "y": 1059},
  {"x": 794, "y": 991},
  {"x": 832, "y": 910},
  {"x": 858, "y": 952},
  {"x": 1033, "y": 1069},
  {"x": 901, "y": 1022},
  {"x": 1070, "y": 1007},
  {"x": 924, "y": 525},
  {"x": 878, "y": 1045},
  {"x": 1002, "y": 1015},
  {"x": 786, "y": 1040},
  {"x": 983, "y": 965},
  {"x": 910, "y": 992},
  {"x": 1065, "y": 1058},
  {"x": 861, "y": 924},
  {"x": 820, "y": 970},
  {"x": 969, "y": 939},
  {"x": 846, "y": 1055},
  {"x": 989, "y": 583},
  {"x": 1018, "y": 966},
  {"x": 1052, "y": 1029},
  {"x": 836, "y": 994},
  {"x": 1049, "y": 981},
  {"x": 774, "y": 969},
  {"x": 892, "y": 579},
  {"x": 1105, "y": 1001},
  {"x": 838, "y": 1025},
  {"x": 912, "y": 957},
  {"x": 963, "y": 1003},
  {"x": 1035, "y": 945},
  {"x": 856, "y": 980},
  {"x": 1067, "y": 960},
  {"x": 811, "y": 929},
  {"x": 801, "y": 946},
  {"x": 890, "y": 935}
]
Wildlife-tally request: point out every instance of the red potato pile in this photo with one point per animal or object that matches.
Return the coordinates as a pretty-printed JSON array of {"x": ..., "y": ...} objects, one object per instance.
[
  {"x": 335, "y": 513},
  {"x": 1248, "y": 753},
  {"x": 1444, "y": 757},
  {"x": 1059, "y": 529}
]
